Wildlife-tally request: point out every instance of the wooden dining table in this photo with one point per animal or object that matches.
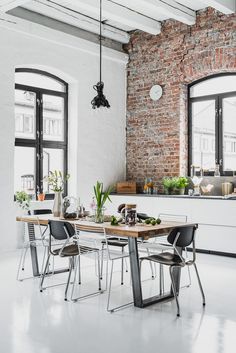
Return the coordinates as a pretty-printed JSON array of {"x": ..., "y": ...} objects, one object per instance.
[{"x": 133, "y": 234}]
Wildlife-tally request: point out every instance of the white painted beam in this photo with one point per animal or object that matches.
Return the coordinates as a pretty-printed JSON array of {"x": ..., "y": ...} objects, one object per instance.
[
  {"x": 119, "y": 14},
  {"x": 65, "y": 15},
  {"x": 6, "y": 5},
  {"x": 169, "y": 8},
  {"x": 224, "y": 6},
  {"x": 31, "y": 29}
]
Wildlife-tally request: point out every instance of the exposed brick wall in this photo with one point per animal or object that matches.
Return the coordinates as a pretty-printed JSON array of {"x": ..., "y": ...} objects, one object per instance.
[{"x": 157, "y": 131}]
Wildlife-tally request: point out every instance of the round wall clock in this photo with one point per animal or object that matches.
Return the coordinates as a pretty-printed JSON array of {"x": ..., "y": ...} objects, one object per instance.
[{"x": 155, "y": 92}]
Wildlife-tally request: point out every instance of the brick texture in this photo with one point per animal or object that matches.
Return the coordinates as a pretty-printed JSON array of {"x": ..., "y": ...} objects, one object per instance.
[{"x": 157, "y": 132}]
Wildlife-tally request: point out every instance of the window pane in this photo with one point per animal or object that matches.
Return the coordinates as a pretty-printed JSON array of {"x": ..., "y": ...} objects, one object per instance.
[
  {"x": 37, "y": 80},
  {"x": 53, "y": 159},
  {"x": 53, "y": 118},
  {"x": 25, "y": 113},
  {"x": 24, "y": 171},
  {"x": 203, "y": 139},
  {"x": 214, "y": 85},
  {"x": 229, "y": 133}
]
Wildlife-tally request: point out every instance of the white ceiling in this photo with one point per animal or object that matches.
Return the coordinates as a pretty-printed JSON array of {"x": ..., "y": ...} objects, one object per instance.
[{"x": 119, "y": 16}]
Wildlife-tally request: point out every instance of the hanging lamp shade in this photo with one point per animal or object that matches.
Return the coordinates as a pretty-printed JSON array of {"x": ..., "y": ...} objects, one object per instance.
[{"x": 100, "y": 100}]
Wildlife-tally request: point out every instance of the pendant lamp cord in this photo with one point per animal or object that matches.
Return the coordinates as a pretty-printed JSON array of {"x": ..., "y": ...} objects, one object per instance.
[{"x": 100, "y": 40}]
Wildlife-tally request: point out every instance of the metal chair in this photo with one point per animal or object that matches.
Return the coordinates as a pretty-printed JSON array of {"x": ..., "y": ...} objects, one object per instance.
[
  {"x": 179, "y": 238},
  {"x": 160, "y": 244},
  {"x": 32, "y": 240},
  {"x": 112, "y": 256},
  {"x": 60, "y": 231}
]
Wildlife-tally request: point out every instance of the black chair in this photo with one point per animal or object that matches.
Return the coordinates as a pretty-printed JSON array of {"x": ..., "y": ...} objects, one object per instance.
[
  {"x": 64, "y": 231},
  {"x": 180, "y": 238}
]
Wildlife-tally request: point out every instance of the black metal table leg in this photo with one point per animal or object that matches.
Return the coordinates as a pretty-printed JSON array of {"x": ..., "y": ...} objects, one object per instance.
[
  {"x": 135, "y": 272},
  {"x": 136, "y": 279}
]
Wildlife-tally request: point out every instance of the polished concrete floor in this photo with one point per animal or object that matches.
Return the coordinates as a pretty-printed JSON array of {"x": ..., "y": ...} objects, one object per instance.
[{"x": 34, "y": 322}]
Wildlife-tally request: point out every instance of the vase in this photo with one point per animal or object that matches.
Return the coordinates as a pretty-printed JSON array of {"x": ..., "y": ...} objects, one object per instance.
[
  {"x": 57, "y": 205},
  {"x": 99, "y": 214},
  {"x": 181, "y": 191}
]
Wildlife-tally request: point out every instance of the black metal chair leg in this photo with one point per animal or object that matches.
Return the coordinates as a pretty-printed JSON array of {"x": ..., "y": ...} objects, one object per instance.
[
  {"x": 174, "y": 290},
  {"x": 69, "y": 276},
  {"x": 200, "y": 285},
  {"x": 44, "y": 273},
  {"x": 122, "y": 267}
]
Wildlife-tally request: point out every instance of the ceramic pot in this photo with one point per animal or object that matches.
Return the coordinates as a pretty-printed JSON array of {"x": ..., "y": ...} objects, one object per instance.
[{"x": 57, "y": 206}]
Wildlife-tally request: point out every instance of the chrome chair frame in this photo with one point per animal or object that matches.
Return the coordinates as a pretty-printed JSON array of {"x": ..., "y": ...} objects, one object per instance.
[{"x": 182, "y": 262}]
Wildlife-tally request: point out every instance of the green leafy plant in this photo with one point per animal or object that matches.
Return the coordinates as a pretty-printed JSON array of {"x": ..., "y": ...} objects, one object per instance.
[
  {"x": 182, "y": 182},
  {"x": 23, "y": 200},
  {"x": 169, "y": 183},
  {"x": 101, "y": 196},
  {"x": 56, "y": 180}
]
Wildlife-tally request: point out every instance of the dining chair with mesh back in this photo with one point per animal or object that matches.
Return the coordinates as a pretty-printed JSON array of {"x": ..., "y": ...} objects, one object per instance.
[
  {"x": 64, "y": 231},
  {"x": 112, "y": 256},
  {"x": 32, "y": 240},
  {"x": 91, "y": 243},
  {"x": 179, "y": 238}
]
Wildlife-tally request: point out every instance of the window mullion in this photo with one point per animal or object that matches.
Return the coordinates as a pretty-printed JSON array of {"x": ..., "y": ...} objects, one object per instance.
[
  {"x": 38, "y": 144},
  {"x": 220, "y": 133}
]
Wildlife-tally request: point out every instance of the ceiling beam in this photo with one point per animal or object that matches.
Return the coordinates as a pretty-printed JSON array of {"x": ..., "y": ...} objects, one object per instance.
[
  {"x": 168, "y": 8},
  {"x": 6, "y": 5},
  {"x": 117, "y": 13},
  {"x": 74, "y": 18},
  {"x": 224, "y": 6}
]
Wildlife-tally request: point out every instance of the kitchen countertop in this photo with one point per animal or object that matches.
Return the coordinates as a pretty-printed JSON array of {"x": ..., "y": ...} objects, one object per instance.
[{"x": 202, "y": 197}]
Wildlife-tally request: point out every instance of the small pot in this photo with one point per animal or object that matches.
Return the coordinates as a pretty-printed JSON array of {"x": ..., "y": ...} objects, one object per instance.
[
  {"x": 181, "y": 191},
  {"x": 41, "y": 197}
]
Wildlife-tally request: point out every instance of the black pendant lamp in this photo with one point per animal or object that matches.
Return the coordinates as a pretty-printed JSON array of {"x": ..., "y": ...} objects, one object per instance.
[{"x": 100, "y": 100}]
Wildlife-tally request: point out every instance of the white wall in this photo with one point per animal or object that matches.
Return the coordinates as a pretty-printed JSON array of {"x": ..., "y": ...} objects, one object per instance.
[{"x": 97, "y": 140}]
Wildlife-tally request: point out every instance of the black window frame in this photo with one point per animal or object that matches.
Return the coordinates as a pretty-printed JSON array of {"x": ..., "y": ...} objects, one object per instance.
[
  {"x": 219, "y": 158},
  {"x": 38, "y": 143}
]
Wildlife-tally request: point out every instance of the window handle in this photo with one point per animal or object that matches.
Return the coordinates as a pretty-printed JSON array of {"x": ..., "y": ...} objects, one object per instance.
[
  {"x": 37, "y": 133},
  {"x": 221, "y": 162}
]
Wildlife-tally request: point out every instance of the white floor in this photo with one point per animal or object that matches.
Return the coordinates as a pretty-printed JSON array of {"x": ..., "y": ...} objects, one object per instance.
[{"x": 34, "y": 322}]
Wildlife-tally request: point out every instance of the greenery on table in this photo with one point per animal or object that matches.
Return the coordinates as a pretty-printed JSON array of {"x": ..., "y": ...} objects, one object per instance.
[
  {"x": 56, "y": 180},
  {"x": 101, "y": 198},
  {"x": 23, "y": 200}
]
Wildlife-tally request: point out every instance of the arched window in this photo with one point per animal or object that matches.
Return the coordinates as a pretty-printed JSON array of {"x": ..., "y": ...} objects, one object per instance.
[
  {"x": 41, "y": 124},
  {"x": 212, "y": 124}
]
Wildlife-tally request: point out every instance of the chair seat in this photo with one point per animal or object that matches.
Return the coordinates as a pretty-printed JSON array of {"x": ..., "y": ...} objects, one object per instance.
[
  {"x": 116, "y": 242},
  {"x": 74, "y": 250},
  {"x": 165, "y": 258}
]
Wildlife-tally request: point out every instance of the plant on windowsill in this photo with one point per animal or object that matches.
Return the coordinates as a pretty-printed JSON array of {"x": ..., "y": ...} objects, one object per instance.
[
  {"x": 181, "y": 184},
  {"x": 101, "y": 197},
  {"x": 57, "y": 181}
]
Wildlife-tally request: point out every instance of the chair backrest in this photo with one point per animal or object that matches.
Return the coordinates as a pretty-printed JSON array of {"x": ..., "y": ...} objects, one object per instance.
[
  {"x": 41, "y": 211},
  {"x": 61, "y": 230},
  {"x": 89, "y": 237},
  {"x": 169, "y": 217},
  {"x": 186, "y": 236}
]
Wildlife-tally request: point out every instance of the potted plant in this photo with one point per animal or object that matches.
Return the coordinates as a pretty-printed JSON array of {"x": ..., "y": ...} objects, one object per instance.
[
  {"x": 169, "y": 185},
  {"x": 23, "y": 200},
  {"x": 101, "y": 197},
  {"x": 56, "y": 181},
  {"x": 181, "y": 184}
]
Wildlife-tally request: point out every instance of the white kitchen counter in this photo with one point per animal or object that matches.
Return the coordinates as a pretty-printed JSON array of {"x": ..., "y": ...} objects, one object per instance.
[{"x": 216, "y": 216}]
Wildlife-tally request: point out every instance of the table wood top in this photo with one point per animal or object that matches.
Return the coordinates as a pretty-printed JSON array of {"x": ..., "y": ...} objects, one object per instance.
[{"x": 144, "y": 231}]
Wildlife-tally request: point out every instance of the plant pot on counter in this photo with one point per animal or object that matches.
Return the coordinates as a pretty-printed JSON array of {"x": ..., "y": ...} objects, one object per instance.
[{"x": 181, "y": 191}]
